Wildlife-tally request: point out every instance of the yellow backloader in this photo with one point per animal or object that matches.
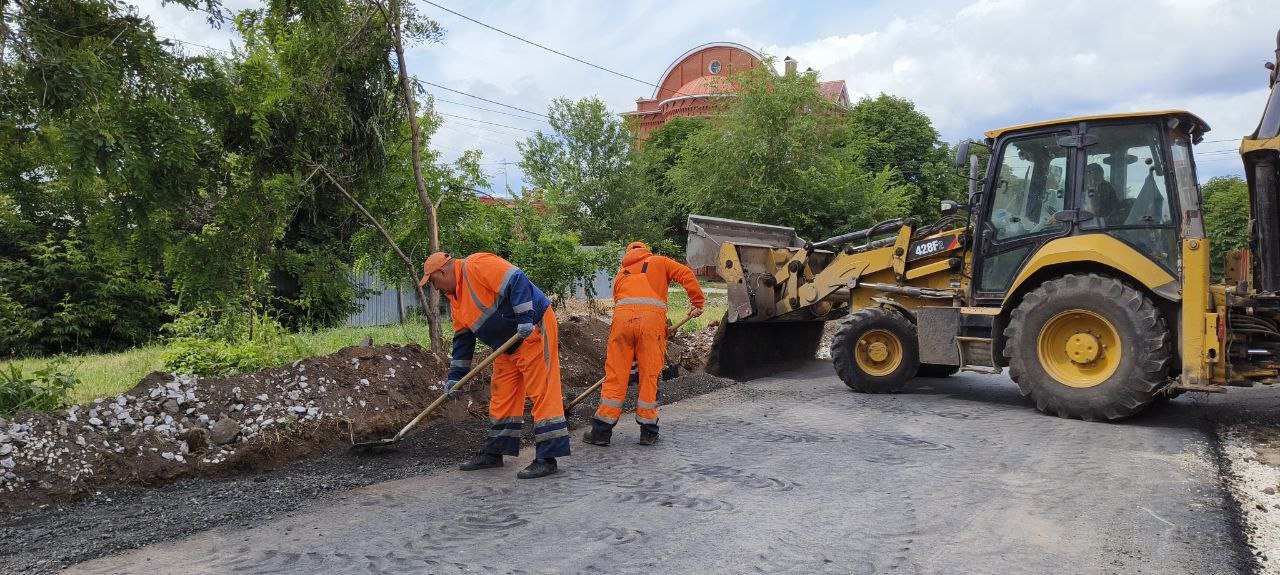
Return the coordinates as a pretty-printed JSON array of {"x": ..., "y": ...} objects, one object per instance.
[{"x": 1080, "y": 263}]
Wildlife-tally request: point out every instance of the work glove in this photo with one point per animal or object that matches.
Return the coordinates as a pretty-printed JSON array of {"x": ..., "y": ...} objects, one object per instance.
[
  {"x": 695, "y": 312},
  {"x": 523, "y": 331}
]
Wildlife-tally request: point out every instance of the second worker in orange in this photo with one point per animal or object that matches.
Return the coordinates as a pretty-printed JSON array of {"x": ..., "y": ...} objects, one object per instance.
[{"x": 639, "y": 335}]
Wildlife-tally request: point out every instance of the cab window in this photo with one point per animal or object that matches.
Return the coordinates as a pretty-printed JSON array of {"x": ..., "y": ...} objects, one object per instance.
[
  {"x": 1029, "y": 188},
  {"x": 1124, "y": 178}
]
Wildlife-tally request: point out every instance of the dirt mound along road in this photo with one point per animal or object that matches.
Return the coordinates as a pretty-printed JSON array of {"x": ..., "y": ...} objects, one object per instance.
[{"x": 169, "y": 427}]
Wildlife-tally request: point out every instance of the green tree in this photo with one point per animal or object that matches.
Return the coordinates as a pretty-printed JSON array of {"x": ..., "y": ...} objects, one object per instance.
[
  {"x": 1226, "y": 217},
  {"x": 658, "y": 208},
  {"x": 888, "y": 132},
  {"x": 775, "y": 154},
  {"x": 195, "y": 172},
  {"x": 581, "y": 165}
]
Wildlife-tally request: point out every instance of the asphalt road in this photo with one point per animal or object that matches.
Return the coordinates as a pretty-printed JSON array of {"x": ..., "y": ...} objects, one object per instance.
[{"x": 792, "y": 473}]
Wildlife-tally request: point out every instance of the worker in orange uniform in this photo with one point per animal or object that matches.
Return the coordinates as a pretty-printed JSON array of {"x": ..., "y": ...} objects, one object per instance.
[
  {"x": 491, "y": 300},
  {"x": 639, "y": 334}
]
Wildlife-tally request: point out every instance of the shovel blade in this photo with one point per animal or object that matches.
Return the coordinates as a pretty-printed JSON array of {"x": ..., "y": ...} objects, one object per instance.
[{"x": 368, "y": 446}]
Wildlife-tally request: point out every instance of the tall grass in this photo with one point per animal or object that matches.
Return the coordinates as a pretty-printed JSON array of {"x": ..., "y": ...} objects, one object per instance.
[{"x": 109, "y": 374}]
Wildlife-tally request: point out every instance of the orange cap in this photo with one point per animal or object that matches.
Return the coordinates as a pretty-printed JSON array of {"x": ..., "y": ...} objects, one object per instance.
[
  {"x": 432, "y": 265},
  {"x": 637, "y": 245}
]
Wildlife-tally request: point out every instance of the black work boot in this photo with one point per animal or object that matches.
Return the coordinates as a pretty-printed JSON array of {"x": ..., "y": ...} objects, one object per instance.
[
  {"x": 648, "y": 434},
  {"x": 538, "y": 468},
  {"x": 599, "y": 434},
  {"x": 482, "y": 460}
]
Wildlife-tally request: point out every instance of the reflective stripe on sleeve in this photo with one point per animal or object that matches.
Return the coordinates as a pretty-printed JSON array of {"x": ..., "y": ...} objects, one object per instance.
[{"x": 524, "y": 307}]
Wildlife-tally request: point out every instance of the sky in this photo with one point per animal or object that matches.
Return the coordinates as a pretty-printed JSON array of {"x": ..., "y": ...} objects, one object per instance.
[{"x": 970, "y": 65}]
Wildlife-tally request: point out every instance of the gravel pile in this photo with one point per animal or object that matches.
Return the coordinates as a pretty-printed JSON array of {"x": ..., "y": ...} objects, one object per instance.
[
  {"x": 1253, "y": 458},
  {"x": 170, "y": 427},
  {"x": 167, "y": 426}
]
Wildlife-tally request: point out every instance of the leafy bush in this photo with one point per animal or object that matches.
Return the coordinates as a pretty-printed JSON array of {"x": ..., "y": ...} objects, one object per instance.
[
  {"x": 1226, "y": 218},
  {"x": 234, "y": 343},
  {"x": 46, "y": 389},
  {"x": 59, "y": 296}
]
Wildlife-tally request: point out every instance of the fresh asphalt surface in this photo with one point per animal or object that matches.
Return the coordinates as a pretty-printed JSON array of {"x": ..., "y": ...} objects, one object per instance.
[{"x": 792, "y": 473}]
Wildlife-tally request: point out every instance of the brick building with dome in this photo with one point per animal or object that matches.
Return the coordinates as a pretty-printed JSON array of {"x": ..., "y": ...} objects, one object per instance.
[{"x": 697, "y": 77}]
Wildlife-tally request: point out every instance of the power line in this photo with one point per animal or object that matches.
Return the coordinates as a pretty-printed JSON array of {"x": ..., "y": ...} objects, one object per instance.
[
  {"x": 532, "y": 43},
  {"x": 1223, "y": 140},
  {"x": 485, "y": 99},
  {"x": 485, "y": 122},
  {"x": 194, "y": 44},
  {"x": 481, "y": 136},
  {"x": 494, "y": 131},
  {"x": 549, "y": 49},
  {"x": 490, "y": 110}
]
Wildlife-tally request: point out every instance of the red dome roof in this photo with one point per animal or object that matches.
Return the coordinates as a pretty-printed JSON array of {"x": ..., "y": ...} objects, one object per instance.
[{"x": 704, "y": 85}]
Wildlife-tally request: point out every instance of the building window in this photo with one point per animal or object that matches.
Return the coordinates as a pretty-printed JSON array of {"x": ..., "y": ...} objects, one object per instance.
[{"x": 714, "y": 68}]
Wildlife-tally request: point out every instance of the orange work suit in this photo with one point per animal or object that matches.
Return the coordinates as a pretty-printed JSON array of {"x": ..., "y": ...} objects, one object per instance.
[
  {"x": 639, "y": 333},
  {"x": 491, "y": 298}
]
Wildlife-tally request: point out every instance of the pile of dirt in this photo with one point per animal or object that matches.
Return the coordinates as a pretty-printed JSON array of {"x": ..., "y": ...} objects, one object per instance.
[
  {"x": 167, "y": 427},
  {"x": 170, "y": 427}
]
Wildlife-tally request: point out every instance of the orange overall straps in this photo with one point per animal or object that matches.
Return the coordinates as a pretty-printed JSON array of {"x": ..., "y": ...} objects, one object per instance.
[{"x": 638, "y": 334}]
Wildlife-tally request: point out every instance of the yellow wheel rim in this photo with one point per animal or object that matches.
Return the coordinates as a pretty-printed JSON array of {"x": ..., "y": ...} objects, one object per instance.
[
  {"x": 1079, "y": 348},
  {"x": 878, "y": 352}
]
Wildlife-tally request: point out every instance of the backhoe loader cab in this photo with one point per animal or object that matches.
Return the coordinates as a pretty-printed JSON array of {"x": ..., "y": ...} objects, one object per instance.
[{"x": 1080, "y": 264}]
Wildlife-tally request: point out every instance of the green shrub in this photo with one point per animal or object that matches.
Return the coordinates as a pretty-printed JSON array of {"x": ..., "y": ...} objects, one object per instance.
[
  {"x": 61, "y": 296},
  {"x": 46, "y": 389},
  {"x": 236, "y": 343},
  {"x": 1226, "y": 218}
]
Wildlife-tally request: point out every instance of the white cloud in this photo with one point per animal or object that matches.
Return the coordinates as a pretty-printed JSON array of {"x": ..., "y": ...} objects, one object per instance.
[
  {"x": 969, "y": 64},
  {"x": 1000, "y": 62}
]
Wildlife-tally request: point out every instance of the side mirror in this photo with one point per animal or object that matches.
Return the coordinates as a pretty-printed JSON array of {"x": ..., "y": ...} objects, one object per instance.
[{"x": 962, "y": 153}]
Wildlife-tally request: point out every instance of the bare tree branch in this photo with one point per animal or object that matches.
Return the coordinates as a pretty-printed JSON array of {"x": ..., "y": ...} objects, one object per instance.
[{"x": 422, "y": 298}]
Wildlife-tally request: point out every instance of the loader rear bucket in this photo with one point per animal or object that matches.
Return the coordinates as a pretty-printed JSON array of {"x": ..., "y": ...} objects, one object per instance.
[{"x": 746, "y": 350}]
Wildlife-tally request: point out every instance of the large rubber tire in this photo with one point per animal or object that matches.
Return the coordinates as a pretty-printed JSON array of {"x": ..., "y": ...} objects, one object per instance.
[
  {"x": 936, "y": 370},
  {"x": 1144, "y": 340},
  {"x": 864, "y": 322}
]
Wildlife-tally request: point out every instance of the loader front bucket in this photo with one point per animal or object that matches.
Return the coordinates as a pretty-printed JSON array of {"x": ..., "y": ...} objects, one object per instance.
[
  {"x": 707, "y": 234},
  {"x": 746, "y": 350}
]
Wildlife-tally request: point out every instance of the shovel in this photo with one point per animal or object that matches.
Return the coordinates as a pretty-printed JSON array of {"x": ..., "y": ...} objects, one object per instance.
[
  {"x": 590, "y": 390},
  {"x": 388, "y": 442}
]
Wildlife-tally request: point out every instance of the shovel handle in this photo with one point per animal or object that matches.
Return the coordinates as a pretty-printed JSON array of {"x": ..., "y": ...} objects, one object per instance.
[
  {"x": 583, "y": 396},
  {"x": 515, "y": 339},
  {"x": 675, "y": 327},
  {"x": 593, "y": 388}
]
